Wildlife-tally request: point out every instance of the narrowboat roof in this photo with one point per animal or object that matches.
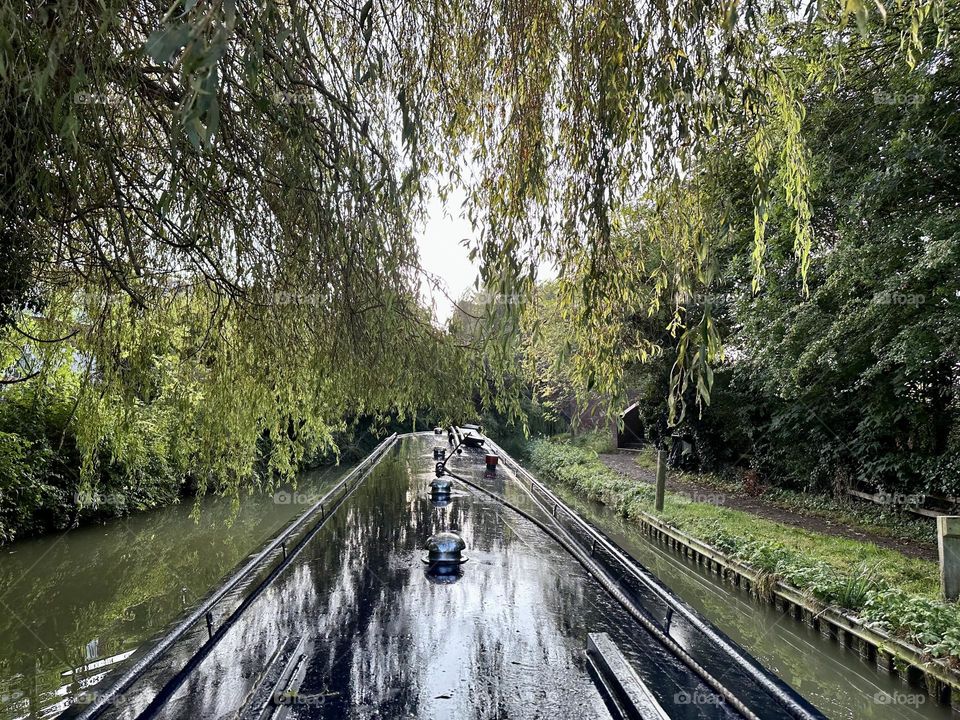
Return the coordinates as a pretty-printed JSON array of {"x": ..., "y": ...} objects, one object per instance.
[{"x": 358, "y": 625}]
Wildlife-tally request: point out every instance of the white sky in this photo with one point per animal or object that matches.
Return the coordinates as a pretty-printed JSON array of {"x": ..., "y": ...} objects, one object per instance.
[{"x": 443, "y": 254}]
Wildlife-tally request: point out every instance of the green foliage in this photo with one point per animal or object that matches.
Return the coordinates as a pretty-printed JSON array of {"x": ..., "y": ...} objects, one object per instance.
[
  {"x": 883, "y": 587},
  {"x": 44, "y": 483},
  {"x": 598, "y": 441},
  {"x": 878, "y": 520},
  {"x": 935, "y": 626},
  {"x": 577, "y": 468},
  {"x": 839, "y": 372},
  {"x": 242, "y": 179},
  {"x": 210, "y": 207},
  {"x": 23, "y": 492},
  {"x": 219, "y": 240},
  {"x": 595, "y": 441},
  {"x": 857, "y": 383}
]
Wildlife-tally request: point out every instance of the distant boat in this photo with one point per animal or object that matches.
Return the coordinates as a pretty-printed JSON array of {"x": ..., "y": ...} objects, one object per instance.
[{"x": 472, "y": 435}]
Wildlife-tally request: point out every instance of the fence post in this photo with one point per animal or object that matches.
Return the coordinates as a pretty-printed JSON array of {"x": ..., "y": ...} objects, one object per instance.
[
  {"x": 661, "y": 479},
  {"x": 948, "y": 542}
]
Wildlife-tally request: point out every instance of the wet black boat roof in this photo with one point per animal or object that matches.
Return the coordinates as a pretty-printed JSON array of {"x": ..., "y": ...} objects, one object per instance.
[{"x": 381, "y": 638}]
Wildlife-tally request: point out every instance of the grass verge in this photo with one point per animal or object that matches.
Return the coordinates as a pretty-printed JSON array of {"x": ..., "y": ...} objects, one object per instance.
[
  {"x": 873, "y": 519},
  {"x": 885, "y": 588}
]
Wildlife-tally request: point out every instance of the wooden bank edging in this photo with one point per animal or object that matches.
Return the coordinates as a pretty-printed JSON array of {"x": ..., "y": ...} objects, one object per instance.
[{"x": 888, "y": 653}]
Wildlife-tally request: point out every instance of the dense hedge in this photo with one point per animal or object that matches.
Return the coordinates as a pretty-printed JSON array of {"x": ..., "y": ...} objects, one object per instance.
[{"x": 42, "y": 487}]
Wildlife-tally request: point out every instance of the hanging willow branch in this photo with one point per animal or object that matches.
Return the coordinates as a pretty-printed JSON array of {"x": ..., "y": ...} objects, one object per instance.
[{"x": 222, "y": 195}]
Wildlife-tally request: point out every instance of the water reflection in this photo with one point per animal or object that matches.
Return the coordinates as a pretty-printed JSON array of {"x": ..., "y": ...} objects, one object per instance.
[
  {"x": 443, "y": 574},
  {"x": 75, "y": 605}
]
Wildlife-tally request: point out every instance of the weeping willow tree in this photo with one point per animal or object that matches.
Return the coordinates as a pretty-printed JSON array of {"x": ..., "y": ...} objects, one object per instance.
[
  {"x": 203, "y": 213},
  {"x": 211, "y": 205}
]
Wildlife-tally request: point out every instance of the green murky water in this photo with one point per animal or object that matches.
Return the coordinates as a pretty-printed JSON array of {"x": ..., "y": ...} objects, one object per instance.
[{"x": 90, "y": 596}]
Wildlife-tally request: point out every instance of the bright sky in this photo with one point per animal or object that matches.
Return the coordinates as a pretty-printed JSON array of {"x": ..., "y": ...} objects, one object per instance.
[{"x": 443, "y": 254}]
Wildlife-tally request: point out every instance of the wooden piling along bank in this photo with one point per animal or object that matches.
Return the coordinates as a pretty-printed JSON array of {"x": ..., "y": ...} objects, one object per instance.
[{"x": 890, "y": 654}]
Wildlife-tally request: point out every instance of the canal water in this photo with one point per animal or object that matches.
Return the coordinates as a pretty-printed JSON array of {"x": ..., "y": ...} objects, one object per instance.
[
  {"x": 90, "y": 596},
  {"x": 832, "y": 678}
]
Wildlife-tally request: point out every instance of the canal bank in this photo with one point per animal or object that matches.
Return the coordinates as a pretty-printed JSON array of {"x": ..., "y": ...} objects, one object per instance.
[
  {"x": 877, "y": 602},
  {"x": 839, "y": 682},
  {"x": 844, "y": 668}
]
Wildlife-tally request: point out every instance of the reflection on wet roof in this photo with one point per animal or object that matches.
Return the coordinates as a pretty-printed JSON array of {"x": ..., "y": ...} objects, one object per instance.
[{"x": 380, "y": 635}]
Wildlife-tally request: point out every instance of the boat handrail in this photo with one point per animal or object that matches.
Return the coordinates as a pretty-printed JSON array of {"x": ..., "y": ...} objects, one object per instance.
[
  {"x": 746, "y": 663},
  {"x": 121, "y": 684}
]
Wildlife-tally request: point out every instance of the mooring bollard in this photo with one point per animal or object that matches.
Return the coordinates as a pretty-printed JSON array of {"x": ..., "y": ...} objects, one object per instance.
[
  {"x": 948, "y": 542},
  {"x": 661, "y": 479}
]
